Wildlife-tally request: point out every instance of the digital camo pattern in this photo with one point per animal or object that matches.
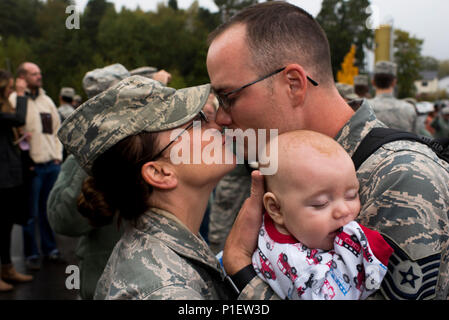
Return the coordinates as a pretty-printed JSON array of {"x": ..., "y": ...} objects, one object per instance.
[
  {"x": 396, "y": 114},
  {"x": 161, "y": 259},
  {"x": 230, "y": 193},
  {"x": 98, "y": 80},
  {"x": 404, "y": 196},
  {"x": 133, "y": 105},
  {"x": 257, "y": 289},
  {"x": 386, "y": 67}
]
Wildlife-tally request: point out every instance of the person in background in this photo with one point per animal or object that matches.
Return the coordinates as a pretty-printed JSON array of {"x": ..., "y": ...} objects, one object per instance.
[
  {"x": 346, "y": 91},
  {"x": 395, "y": 113},
  {"x": 441, "y": 123},
  {"x": 77, "y": 100},
  {"x": 95, "y": 243},
  {"x": 361, "y": 86},
  {"x": 42, "y": 122},
  {"x": 11, "y": 176},
  {"x": 66, "y": 108}
]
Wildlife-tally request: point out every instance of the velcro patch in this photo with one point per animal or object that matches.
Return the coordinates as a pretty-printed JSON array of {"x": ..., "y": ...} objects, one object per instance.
[{"x": 410, "y": 280}]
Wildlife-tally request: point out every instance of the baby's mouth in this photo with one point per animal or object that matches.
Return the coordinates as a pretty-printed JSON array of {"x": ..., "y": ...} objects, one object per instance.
[{"x": 335, "y": 232}]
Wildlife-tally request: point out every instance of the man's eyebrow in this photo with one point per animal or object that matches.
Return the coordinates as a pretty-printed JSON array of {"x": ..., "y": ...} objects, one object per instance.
[{"x": 218, "y": 90}]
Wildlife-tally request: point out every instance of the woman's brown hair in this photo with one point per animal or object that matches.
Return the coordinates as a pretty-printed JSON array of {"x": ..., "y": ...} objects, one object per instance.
[
  {"x": 5, "y": 105},
  {"x": 116, "y": 184},
  {"x": 5, "y": 78}
]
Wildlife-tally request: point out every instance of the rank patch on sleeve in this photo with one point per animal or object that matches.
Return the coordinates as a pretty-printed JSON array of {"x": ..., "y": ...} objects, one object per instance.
[{"x": 410, "y": 280}]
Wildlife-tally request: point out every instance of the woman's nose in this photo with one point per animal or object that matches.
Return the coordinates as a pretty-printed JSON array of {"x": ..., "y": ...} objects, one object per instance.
[{"x": 223, "y": 118}]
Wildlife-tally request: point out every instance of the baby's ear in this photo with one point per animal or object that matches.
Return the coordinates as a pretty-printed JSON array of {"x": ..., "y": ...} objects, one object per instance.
[{"x": 273, "y": 208}]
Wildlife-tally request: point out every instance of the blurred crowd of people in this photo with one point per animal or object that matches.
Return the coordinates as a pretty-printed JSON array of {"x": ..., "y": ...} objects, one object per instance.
[{"x": 32, "y": 156}]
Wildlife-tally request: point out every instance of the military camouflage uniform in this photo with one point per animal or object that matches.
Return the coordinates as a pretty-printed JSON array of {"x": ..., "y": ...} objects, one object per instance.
[
  {"x": 404, "y": 196},
  {"x": 396, "y": 114},
  {"x": 95, "y": 244},
  {"x": 160, "y": 259},
  {"x": 230, "y": 193}
]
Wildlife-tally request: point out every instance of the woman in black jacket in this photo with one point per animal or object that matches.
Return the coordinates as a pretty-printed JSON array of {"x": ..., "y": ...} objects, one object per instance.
[{"x": 10, "y": 172}]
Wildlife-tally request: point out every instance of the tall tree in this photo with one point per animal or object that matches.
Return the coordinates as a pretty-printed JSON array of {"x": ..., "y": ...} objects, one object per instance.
[
  {"x": 229, "y": 7},
  {"x": 173, "y": 4},
  {"x": 443, "y": 69},
  {"x": 407, "y": 55},
  {"x": 18, "y": 18},
  {"x": 93, "y": 13},
  {"x": 344, "y": 22}
]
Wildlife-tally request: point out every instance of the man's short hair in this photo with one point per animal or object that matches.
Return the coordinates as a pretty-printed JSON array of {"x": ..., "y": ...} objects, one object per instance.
[
  {"x": 361, "y": 89},
  {"x": 383, "y": 80},
  {"x": 279, "y": 33}
]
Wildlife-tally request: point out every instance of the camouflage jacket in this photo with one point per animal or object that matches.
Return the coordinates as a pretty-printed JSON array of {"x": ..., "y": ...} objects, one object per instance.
[
  {"x": 95, "y": 244},
  {"x": 159, "y": 258},
  {"x": 396, "y": 114},
  {"x": 404, "y": 196}
]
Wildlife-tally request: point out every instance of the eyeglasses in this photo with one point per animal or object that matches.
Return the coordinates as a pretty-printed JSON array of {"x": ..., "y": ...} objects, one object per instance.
[
  {"x": 225, "y": 102},
  {"x": 201, "y": 115}
]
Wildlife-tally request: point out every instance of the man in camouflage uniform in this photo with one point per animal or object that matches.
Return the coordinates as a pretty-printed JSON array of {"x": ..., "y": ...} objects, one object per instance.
[
  {"x": 65, "y": 108},
  {"x": 403, "y": 185},
  {"x": 95, "y": 244},
  {"x": 361, "y": 86},
  {"x": 346, "y": 91},
  {"x": 396, "y": 114},
  {"x": 158, "y": 256}
]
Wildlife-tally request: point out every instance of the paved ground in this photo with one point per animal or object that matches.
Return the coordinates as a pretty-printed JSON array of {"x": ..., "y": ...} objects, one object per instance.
[{"x": 49, "y": 281}]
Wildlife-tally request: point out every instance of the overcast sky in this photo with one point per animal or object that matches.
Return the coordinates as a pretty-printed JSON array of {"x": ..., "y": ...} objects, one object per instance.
[{"x": 425, "y": 19}]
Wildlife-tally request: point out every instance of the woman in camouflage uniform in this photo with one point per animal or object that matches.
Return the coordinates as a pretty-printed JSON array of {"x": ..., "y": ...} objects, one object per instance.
[{"x": 125, "y": 147}]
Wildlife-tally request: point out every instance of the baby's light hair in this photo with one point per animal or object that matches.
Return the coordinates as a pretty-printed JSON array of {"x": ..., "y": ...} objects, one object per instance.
[{"x": 296, "y": 142}]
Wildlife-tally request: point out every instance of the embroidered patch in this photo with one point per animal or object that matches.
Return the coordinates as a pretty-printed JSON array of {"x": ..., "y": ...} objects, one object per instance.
[{"x": 408, "y": 279}]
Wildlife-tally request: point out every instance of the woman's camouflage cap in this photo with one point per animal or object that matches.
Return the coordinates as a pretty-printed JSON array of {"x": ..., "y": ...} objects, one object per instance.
[{"x": 133, "y": 105}]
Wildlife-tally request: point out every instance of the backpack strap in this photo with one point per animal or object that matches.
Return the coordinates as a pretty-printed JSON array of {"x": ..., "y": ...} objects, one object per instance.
[{"x": 377, "y": 137}]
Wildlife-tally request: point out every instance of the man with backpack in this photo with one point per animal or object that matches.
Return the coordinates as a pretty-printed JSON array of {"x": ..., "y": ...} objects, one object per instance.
[{"x": 270, "y": 68}]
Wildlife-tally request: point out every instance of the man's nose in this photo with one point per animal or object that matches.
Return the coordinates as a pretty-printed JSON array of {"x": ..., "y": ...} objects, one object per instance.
[{"x": 223, "y": 118}]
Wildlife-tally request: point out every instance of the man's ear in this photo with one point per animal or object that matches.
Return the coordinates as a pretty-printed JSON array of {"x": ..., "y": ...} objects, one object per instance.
[
  {"x": 297, "y": 80},
  {"x": 273, "y": 208},
  {"x": 159, "y": 175}
]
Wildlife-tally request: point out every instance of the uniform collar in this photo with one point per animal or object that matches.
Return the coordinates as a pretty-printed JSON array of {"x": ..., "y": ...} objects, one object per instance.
[
  {"x": 357, "y": 128},
  {"x": 175, "y": 235},
  {"x": 385, "y": 95}
]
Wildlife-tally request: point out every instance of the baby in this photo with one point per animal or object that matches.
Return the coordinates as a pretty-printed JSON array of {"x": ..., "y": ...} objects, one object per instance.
[{"x": 309, "y": 245}]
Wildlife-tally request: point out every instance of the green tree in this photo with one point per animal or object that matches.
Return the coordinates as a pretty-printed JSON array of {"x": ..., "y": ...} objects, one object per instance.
[
  {"x": 14, "y": 51},
  {"x": 344, "y": 22},
  {"x": 18, "y": 18},
  {"x": 407, "y": 55},
  {"x": 443, "y": 69},
  {"x": 173, "y": 4},
  {"x": 429, "y": 63},
  {"x": 229, "y": 7}
]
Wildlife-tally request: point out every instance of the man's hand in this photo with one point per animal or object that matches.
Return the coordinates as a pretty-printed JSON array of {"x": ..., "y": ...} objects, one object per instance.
[
  {"x": 21, "y": 85},
  {"x": 162, "y": 76},
  {"x": 242, "y": 239}
]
